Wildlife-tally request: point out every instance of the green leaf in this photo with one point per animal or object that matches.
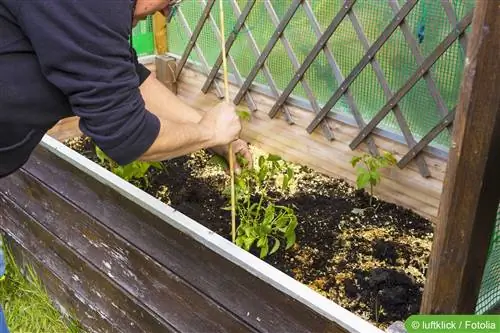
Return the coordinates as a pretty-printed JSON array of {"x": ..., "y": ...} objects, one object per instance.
[
  {"x": 286, "y": 180},
  {"x": 100, "y": 155},
  {"x": 391, "y": 160},
  {"x": 120, "y": 172},
  {"x": 262, "y": 173},
  {"x": 290, "y": 240},
  {"x": 240, "y": 183},
  {"x": 292, "y": 224},
  {"x": 248, "y": 231},
  {"x": 142, "y": 169},
  {"x": 282, "y": 222},
  {"x": 239, "y": 241},
  {"x": 371, "y": 163},
  {"x": 265, "y": 229},
  {"x": 262, "y": 241},
  {"x": 269, "y": 214},
  {"x": 375, "y": 177},
  {"x": 264, "y": 250},
  {"x": 262, "y": 161},
  {"x": 244, "y": 115},
  {"x": 248, "y": 243},
  {"x": 273, "y": 158},
  {"x": 276, "y": 245},
  {"x": 355, "y": 160},
  {"x": 242, "y": 161},
  {"x": 363, "y": 180},
  {"x": 157, "y": 165},
  {"x": 218, "y": 161}
]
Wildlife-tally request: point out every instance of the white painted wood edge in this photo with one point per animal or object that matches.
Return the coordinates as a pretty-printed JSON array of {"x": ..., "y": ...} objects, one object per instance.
[
  {"x": 147, "y": 60},
  {"x": 213, "y": 241}
]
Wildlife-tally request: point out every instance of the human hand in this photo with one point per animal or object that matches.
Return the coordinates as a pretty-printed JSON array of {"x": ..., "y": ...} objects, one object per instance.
[
  {"x": 224, "y": 124},
  {"x": 239, "y": 147}
]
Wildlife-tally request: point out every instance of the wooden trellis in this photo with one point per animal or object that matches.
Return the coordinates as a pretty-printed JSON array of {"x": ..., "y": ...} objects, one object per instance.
[{"x": 346, "y": 13}]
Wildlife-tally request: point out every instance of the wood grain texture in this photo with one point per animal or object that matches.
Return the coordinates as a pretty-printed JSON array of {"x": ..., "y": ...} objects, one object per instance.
[
  {"x": 240, "y": 294},
  {"x": 472, "y": 187},
  {"x": 71, "y": 280},
  {"x": 67, "y": 300},
  {"x": 165, "y": 72},
  {"x": 160, "y": 33},
  {"x": 149, "y": 284}
]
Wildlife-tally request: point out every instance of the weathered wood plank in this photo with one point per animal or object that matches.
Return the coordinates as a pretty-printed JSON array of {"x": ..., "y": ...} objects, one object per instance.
[
  {"x": 71, "y": 281},
  {"x": 160, "y": 33},
  {"x": 165, "y": 72},
  {"x": 431, "y": 135},
  {"x": 148, "y": 282},
  {"x": 250, "y": 298},
  {"x": 63, "y": 297},
  {"x": 472, "y": 187}
]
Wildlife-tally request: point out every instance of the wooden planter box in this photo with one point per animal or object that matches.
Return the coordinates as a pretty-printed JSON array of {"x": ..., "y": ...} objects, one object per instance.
[{"x": 123, "y": 261}]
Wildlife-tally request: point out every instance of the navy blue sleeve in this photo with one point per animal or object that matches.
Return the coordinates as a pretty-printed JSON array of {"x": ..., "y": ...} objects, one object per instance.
[{"x": 83, "y": 49}]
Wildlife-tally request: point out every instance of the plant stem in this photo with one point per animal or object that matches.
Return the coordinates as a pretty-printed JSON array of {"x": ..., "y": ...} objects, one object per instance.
[
  {"x": 226, "y": 95},
  {"x": 233, "y": 194},
  {"x": 371, "y": 193}
]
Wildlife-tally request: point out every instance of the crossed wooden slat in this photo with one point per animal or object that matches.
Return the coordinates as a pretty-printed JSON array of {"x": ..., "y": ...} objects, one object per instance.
[{"x": 398, "y": 21}]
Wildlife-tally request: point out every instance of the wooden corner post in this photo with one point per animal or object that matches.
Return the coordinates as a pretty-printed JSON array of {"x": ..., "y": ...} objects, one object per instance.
[
  {"x": 160, "y": 33},
  {"x": 472, "y": 185}
]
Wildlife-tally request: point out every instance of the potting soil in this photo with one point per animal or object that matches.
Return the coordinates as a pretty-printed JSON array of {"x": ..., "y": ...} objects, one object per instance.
[{"x": 370, "y": 260}]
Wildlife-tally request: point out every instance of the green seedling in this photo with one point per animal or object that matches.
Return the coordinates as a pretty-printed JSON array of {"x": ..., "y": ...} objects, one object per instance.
[
  {"x": 259, "y": 225},
  {"x": 368, "y": 169},
  {"x": 262, "y": 223},
  {"x": 136, "y": 170},
  {"x": 244, "y": 115}
]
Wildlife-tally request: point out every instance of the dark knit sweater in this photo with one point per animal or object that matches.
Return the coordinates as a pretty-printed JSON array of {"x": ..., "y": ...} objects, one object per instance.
[{"x": 60, "y": 58}]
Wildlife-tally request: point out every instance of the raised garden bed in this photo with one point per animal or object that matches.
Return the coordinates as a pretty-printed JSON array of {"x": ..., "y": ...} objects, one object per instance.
[{"x": 370, "y": 259}]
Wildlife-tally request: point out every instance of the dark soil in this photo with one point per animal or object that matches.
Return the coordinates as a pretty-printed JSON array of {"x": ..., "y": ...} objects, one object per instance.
[{"x": 372, "y": 261}]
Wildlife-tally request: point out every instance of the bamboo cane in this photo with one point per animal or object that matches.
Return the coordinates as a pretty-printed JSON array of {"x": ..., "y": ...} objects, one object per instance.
[{"x": 226, "y": 96}]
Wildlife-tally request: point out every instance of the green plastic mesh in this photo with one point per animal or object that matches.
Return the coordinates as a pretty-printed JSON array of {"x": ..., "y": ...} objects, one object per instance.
[
  {"x": 395, "y": 57},
  {"x": 143, "y": 38},
  {"x": 489, "y": 295}
]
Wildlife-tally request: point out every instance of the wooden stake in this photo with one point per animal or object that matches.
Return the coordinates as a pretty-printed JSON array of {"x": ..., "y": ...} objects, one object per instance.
[
  {"x": 471, "y": 188},
  {"x": 226, "y": 96}
]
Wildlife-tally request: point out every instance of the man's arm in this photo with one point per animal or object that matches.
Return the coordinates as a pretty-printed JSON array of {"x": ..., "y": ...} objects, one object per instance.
[
  {"x": 165, "y": 104},
  {"x": 168, "y": 107},
  {"x": 217, "y": 127}
]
